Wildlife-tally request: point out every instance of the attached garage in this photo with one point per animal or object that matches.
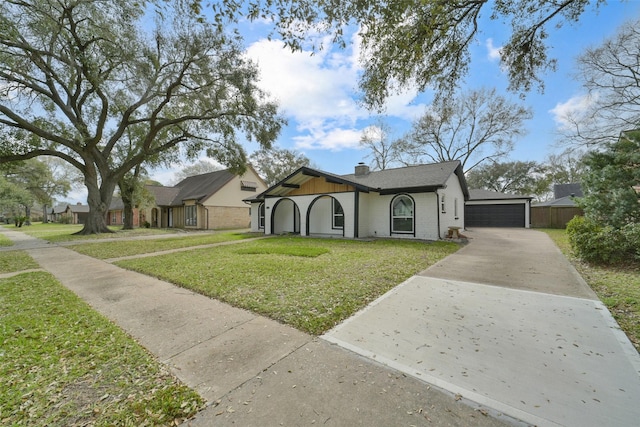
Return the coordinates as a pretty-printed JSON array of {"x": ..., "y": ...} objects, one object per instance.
[{"x": 492, "y": 209}]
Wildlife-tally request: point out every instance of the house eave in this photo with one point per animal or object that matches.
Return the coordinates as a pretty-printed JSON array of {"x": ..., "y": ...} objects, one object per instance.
[{"x": 420, "y": 189}]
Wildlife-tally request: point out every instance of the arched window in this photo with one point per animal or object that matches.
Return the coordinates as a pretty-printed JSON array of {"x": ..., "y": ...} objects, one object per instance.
[
  {"x": 261, "y": 216},
  {"x": 402, "y": 214},
  {"x": 337, "y": 214}
]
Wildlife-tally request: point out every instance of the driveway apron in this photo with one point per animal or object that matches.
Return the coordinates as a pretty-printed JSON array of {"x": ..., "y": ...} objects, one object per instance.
[{"x": 508, "y": 323}]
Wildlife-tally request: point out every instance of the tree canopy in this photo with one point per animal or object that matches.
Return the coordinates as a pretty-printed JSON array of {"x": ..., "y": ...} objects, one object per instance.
[
  {"x": 108, "y": 85},
  {"x": 198, "y": 168},
  {"x": 383, "y": 151},
  {"x": 517, "y": 177},
  {"x": 276, "y": 163},
  {"x": 418, "y": 43},
  {"x": 611, "y": 184},
  {"x": 474, "y": 127},
  {"x": 611, "y": 75}
]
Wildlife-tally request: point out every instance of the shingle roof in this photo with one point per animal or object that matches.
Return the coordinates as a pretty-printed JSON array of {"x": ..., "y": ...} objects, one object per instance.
[
  {"x": 164, "y": 195},
  {"x": 563, "y": 190},
  {"x": 201, "y": 186},
  {"x": 410, "y": 178},
  {"x": 481, "y": 194},
  {"x": 430, "y": 175}
]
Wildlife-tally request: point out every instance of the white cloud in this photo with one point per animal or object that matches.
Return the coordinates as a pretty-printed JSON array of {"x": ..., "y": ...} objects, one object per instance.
[
  {"x": 565, "y": 114},
  {"x": 334, "y": 139},
  {"x": 493, "y": 51},
  {"x": 317, "y": 93},
  {"x": 308, "y": 86}
]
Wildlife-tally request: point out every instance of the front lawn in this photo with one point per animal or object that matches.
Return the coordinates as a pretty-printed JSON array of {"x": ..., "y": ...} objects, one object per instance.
[
  {"x": 63, "y": 364},
  {"x": 11, "y": 261},
  {"x": 5, "y": 241},
  {"x": 115, "y": 249},
  {"x": 54, "y": 232},
  {"x": 311, "y": 284},
  {"x": 618, "y": 287}
]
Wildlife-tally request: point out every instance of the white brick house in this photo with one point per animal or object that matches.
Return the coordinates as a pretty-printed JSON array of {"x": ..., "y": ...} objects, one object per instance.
[{"x": 415, "y": 202}]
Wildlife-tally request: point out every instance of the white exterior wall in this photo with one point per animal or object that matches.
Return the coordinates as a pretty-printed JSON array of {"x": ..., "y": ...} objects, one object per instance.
[
  {"x": 255, "y": 212},
  {"x": 284, "y": 218},
  {"x": 376, "y": 216},
  {"x": 452, "y": 195}
]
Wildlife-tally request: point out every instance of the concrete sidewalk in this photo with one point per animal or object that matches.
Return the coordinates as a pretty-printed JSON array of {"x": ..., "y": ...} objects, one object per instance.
[{"x": 252, "y": 370}]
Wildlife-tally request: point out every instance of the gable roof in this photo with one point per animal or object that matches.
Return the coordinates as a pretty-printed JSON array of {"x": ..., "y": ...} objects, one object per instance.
[
  {"x": 200, "y": 187},
  {"x": 417, "y": 178},
  {"x": 163, "y": 195},
  {"x": 481, "y": 194}
]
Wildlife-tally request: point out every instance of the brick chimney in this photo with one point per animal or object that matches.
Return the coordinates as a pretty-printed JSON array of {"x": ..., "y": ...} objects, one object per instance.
[{"x": 362, "y": 169}]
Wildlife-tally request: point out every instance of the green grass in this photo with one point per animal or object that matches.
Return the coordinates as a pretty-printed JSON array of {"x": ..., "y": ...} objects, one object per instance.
[
  {"x": 115, "y": 249},
  {"x": 54, "y": 232},
  {"x": 63, "y": 364},
  {"x": 618, "y": 287},
  {"x": 5, "y": 241},
  {"x": 311, "y": 284},
  {"x": 11, "y": 261}
]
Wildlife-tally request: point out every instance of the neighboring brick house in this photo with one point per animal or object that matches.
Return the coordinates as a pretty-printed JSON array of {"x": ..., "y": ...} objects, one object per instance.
[
  {"x": 115, "y": 216},
  {"x": 72, "y": 214},
  {"x": 209, "y": 201},
  {"x": 416, "y": 202}
]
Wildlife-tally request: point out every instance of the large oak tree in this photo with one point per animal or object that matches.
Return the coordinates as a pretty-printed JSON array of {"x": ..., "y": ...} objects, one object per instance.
[
  {"x": 105, "y": 85},
  {"x": 418, "y": 43}
]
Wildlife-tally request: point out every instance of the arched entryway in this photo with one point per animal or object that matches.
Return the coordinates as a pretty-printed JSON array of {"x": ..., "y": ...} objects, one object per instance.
[
  {"x": 325, "y": 217},
  {"x": 285, "y": 217}
]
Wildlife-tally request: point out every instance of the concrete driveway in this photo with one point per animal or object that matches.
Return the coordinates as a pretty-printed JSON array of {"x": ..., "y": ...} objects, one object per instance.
[{"x": 508, "y": 323}]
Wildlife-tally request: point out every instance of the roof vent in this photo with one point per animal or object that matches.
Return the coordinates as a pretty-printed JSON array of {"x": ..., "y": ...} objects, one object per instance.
[{"x": 362, "y": 169}]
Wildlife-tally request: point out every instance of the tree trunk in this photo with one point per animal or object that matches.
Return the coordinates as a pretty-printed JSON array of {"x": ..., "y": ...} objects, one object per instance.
[
  {"x": 27, "y": 212},
  {"x": 99, "y": 199},
  {"x": 128, "y": 216},
  {"x": 45, "y": 216}
]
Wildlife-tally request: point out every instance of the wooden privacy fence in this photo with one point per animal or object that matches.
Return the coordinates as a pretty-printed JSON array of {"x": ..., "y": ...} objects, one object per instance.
[{"x": 553, "y": 217}]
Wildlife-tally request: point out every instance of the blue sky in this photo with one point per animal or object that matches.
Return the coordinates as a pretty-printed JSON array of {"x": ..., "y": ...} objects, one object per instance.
[{"x": 317, "y": 93}]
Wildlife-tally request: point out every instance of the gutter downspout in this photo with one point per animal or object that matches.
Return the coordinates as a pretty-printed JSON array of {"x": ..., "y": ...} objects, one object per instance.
[
  {"x": 206, "y": 209},
  {"x": 356, "y": 220},
  {"x": 438, "y": 213}
]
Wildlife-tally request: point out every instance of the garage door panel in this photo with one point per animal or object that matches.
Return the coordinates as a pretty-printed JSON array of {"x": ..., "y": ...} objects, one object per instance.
[{"x": 503, "y": 215}]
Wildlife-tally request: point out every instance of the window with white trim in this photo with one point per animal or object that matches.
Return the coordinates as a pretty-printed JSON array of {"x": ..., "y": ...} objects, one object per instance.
[
  {"x": 191, "y": 216},
  {"x": 402, "y": 214},
  {"x": 455, "y": 208},
  {"x": 338, "y": 214},
  {"x": 261, "y": 216},
  {"x": 442, "y": 205}
]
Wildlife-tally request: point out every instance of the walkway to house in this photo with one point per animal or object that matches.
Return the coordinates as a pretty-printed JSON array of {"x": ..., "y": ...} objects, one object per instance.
[
  {"x": 251, "y": 370},
  {"x": 506, "y": 322}
]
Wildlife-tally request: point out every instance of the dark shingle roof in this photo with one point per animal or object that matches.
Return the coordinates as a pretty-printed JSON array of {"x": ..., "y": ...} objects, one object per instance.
[
  {"x": 164, "y": 195},
  {"x": 116, "y": 204},
  {"x": 201, "y": 186},
  {"x": 431, "y": 175},
  {"x": 410, "y": 178},
  {"x": 564, "y": 190},
  {"x": 480, "y": 194}
]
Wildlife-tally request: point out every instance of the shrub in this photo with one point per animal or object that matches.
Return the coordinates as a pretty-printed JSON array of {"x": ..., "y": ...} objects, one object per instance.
[{"x": 603, "y": 244}]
